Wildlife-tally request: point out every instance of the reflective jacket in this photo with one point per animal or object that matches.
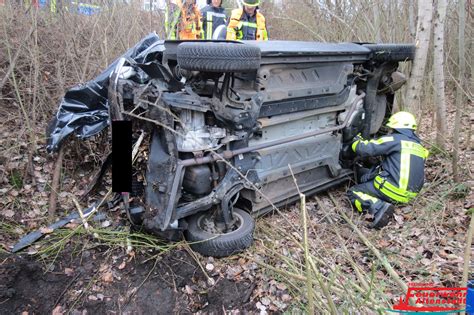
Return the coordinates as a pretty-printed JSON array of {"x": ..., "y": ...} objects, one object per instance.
[
  {"x": 401, "y": 175},
  {"x": 183, "y": 21},
  {"x": 212, "y": 18},
  {"x": 245, "y": 27}
]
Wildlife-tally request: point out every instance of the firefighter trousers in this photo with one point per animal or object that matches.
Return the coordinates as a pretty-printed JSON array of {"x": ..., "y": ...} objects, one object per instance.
[{"x": 365, "y": 196}]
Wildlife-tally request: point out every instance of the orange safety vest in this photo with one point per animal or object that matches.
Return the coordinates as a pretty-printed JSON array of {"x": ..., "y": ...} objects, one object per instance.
[
  {"x": 234, "y": 29},
  {"x": 189, "y": 26}
]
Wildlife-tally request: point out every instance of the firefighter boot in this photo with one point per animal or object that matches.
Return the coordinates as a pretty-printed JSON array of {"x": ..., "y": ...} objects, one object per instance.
[{"x": 382, "y": 212}]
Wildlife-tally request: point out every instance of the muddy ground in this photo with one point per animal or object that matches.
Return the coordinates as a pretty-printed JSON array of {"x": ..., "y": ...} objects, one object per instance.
[{"x": 87, "y": 284}]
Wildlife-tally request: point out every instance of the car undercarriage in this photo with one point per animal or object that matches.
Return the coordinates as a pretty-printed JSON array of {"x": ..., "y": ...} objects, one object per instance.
[{"x": 233, "y": 125}]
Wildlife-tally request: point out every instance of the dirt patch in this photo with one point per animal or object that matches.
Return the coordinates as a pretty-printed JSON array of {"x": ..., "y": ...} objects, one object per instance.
[
  {"x": 25, "y": 287},
  {"x": 100, "y": 283}
]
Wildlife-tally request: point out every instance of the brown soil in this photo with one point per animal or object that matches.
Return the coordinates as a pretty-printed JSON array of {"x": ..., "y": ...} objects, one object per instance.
[{"x": 175, "y": 284}]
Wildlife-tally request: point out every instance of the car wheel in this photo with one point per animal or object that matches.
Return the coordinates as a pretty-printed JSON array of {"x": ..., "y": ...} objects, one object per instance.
[
  {"x": 218, "y": 57},
  {"x": 206, "y": 240},
  {"x": 392, "y": 52}
]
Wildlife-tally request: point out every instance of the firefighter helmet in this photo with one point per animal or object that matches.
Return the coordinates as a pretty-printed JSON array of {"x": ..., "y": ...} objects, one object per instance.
[
  {"x": 402, "y": 120},
  {"x": 251, "y": 3}
]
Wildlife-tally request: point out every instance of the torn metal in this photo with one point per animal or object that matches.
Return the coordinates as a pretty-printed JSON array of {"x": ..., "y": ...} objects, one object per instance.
[{"x": 84, "y": 109}]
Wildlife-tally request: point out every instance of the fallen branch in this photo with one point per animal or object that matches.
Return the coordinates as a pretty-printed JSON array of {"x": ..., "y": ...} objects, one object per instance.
[
  {"x": 337, "y": 288},
  {"x": 467, "y": 251},
  {"x": 81, "y": 214},
  {"x": 309, "y": 285},
  {"x": 346, "y": 251},
  {"x": 196, "y": 259},
  {"x": 286, "y": 274},
  {"x": 53, "y": 197},
  {"x": 393, "y": 274},
  {"x": 301, "y": 278}
]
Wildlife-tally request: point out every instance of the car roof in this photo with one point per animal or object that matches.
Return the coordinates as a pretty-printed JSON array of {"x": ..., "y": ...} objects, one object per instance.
[
  {"x": 303, "y": 52},
  {"x": 278, "y": 51}
]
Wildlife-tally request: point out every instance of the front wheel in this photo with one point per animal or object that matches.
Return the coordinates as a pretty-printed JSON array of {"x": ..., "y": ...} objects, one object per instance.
[{"x": 207, "y": 239}]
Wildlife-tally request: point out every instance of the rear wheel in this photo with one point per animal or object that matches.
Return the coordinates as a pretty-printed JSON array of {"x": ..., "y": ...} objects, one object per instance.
[{"x": 208, "y": 239}]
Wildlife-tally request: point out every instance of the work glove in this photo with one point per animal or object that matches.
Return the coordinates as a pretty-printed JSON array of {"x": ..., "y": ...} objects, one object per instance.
[
  {"x": 357, "y": 139},
  {"x": 346, "y": 151}
]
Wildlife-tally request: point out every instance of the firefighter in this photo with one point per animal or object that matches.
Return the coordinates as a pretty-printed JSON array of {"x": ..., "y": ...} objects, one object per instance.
[
  {"x": 183, "y": 20},
  {"x": 247, "y": 23},
  {"x": 399, "y": 177},
  {"x": 213, "y": 16}
]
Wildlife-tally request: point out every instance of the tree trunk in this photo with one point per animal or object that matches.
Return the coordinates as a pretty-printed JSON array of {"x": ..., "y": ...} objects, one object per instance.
[
  {"x": 438, "y": 67},
  {"x": 423, "y": 34},
  {"x": 459, "y": 89},
  {"x": 411, "y": 18}
]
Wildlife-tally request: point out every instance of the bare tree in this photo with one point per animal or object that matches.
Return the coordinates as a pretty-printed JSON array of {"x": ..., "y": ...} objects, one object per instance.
[
  {"x": 459, "y": 88},
  {"x": 423, "y": 34},
  {"x": 411, "y": 18},
  {"x": 438, "y": 68}
]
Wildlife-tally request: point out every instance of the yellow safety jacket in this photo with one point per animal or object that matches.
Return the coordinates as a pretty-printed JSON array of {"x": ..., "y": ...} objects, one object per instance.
[
  {"x": 237, "y": 28},
  {"x": 401, "y": 175}
]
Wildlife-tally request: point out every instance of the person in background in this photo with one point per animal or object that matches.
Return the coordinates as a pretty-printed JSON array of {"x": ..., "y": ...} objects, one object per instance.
[
  {"x": 398, "y": 178},
  {"x": 247, "y": 23},
  {"x": 213, "y": 16},
  {"x": 183, "y": 20}
]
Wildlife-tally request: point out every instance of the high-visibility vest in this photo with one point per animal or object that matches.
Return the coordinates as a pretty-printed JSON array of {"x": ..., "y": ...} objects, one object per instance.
[
  {"x": 212, "y": 18},
  {"x": 234, "y": 29},
  {"x": 402, "y": 171},
  {"x": 184, "y": 24}
]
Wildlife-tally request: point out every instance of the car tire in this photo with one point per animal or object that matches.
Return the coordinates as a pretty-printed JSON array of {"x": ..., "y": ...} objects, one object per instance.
[
  {"x": 392, "y": 52},
  {"x": 218, "y": 57},
  {"x": 220, "y": 245}
]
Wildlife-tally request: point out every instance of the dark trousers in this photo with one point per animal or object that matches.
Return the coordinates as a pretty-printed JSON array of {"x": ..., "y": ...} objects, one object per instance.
[{"x": 365, "y": 196}]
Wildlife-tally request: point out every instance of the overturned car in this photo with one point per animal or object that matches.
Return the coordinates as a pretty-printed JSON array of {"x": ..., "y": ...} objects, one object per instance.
[{"x": 227, "y": 120}]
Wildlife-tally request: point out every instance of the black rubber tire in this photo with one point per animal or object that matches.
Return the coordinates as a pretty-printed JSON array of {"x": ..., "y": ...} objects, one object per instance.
[
  {"x": 218, "y": 57},
  {"x": 221, "y": 245},
  {"x": 392, "y": 52}
]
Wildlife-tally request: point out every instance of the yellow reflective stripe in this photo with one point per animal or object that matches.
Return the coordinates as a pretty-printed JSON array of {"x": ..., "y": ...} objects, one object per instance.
[
  {"x": 404, "y": 170},
  {"x": 381, "y": 140},
  {"x": 392, "y": 191},
  {"x": 358, "y": 205},
  {"x": 249, "y": 24},
  {"x": 374, "y": 141},
  {"x": 415, "y": 149},
  {"x": 209, "y": 25},
  {"x": 408, "y": 149},
  {"x": 390, "y": 194},
  {"x": 354, "y": 145},
  {"x": 365, "y": 197}
]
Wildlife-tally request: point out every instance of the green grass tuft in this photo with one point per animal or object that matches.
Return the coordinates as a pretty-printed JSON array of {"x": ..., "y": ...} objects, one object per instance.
[{"x": 16, "y": 180}]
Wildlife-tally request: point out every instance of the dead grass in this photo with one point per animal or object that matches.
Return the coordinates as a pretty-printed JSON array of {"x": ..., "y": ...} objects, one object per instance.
[{"x": 424, "y": 244}]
